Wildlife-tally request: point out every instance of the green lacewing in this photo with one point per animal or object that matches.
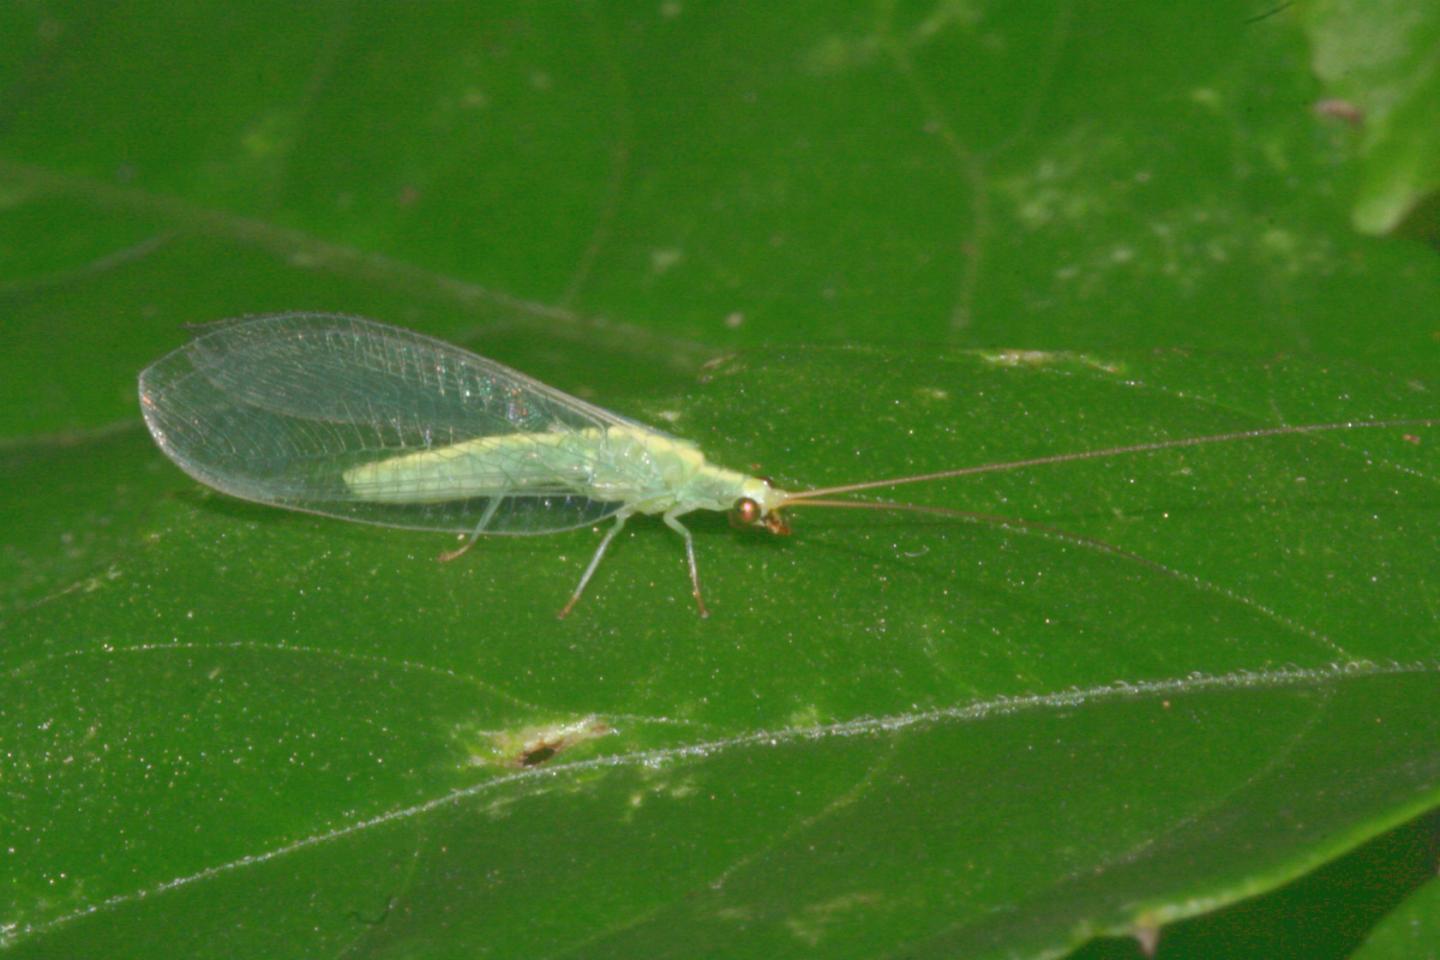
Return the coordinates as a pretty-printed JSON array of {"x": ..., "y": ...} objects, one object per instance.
[{"x": 355, "y": 419}]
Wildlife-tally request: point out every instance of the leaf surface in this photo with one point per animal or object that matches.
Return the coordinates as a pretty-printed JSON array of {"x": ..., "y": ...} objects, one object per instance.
[{"x": 831, "y": 243}]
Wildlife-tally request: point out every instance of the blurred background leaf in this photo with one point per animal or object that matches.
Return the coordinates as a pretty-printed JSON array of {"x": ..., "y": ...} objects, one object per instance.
[
  {"x": 1381, "y": 62},
  {"x": 1412, "y": 931},
  {"x": 234, "y": 732}
]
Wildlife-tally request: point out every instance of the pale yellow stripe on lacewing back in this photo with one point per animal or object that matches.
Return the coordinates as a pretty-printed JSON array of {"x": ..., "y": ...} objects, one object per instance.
[
  {"x": 455, "y": 471},
  {"x": 497, "y": 465}
]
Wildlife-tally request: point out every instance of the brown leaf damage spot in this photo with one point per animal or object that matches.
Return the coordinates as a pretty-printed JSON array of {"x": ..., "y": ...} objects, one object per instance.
[{"x": 540, "y": 744}]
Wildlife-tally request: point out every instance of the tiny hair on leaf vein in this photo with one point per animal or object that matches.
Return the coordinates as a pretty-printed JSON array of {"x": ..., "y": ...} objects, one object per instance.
[{"x": 360, "y": 420}]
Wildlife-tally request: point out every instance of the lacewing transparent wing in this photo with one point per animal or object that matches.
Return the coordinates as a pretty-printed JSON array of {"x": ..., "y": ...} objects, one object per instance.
[{"x": 297, "y": 411}]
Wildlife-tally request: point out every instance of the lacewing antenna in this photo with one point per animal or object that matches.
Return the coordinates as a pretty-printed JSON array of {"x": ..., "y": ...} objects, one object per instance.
[{"x": 812, "y": 497}]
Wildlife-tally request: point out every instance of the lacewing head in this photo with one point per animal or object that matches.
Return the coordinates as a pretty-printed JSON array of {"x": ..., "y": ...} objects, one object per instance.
[{"x": 762, "y": 509}]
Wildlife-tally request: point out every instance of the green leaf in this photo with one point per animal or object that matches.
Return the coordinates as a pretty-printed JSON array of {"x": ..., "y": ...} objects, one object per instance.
[
  {"x": 229, "y": 731},
  {"x": 1324, "y": 915},
  {"x": 1412, "y": 932},
  {"x": 1040, "y": 175},
  {"x": 893, "y": 727}
]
